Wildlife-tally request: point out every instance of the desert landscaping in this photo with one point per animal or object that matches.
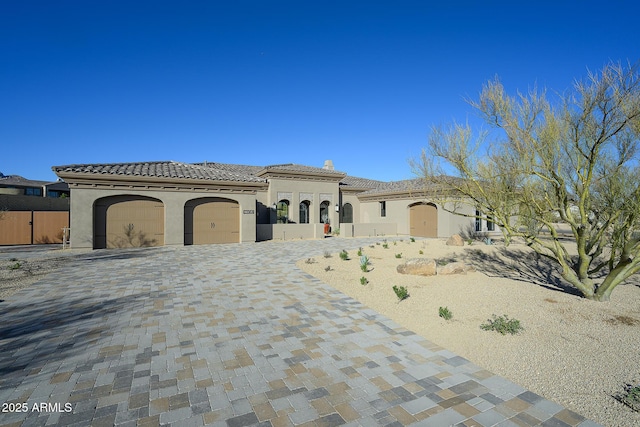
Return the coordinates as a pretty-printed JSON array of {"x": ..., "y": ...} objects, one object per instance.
[{"x": 577, "y": 352}]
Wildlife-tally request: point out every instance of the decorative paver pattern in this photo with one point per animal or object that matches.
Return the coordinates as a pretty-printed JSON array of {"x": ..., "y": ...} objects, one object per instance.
[{"x": 232, "y": 335}]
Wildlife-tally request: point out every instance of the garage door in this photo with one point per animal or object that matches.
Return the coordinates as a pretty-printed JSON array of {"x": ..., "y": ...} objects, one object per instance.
[
  {"x": 423, "y": 220},
  {"x": 128, "y": 221},
  {"x": 210, "y": 221}
]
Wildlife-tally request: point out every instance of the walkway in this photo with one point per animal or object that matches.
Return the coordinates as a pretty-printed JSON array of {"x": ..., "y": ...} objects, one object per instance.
[{"x": 232, "y": 335}]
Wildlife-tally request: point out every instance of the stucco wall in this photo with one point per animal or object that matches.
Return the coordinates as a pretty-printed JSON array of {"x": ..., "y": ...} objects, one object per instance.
[
  {"x": 288, "y": 231},
  {"x": 295, "y": 188},
  {"x": 83, "y": 199},
  {"x": 355, "y": 203},
  {"x": 397, "y": 212}
]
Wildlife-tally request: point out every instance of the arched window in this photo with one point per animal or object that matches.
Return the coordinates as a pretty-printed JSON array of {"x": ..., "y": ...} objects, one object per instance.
[
  {"x": 324, "y": 212},
  {"x": 304, "y": 212},
  {"x": 347, "y": 213},
  {"x": 282, "y": 212}
]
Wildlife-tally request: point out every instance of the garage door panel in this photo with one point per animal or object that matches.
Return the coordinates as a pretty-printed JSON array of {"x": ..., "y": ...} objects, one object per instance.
[
  {"x": 135, "y": 223},
  {"x": 423, "y": 220},
  {"x": 213, "y": 221}
]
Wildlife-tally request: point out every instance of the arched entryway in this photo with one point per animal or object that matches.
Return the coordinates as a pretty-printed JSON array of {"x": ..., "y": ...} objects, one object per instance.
[
  {"x": 423, "y": 220},
  {"x": 128, "y": 221},
  {"x": 211, "y": 220}
]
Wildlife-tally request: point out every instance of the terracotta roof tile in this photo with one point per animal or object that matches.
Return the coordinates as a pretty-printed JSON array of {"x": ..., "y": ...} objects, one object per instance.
[
  {"x": 162, "y": 169},
  {"x": 416, "y": 184},
  {"x": 364, "y": 183}
]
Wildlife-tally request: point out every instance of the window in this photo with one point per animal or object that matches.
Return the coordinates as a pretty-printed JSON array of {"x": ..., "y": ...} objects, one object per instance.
[
  {"x": 490, "y": 225},
  {"x": 30, "y": 191},
  {"x": 478, "y": 221},
  {"x": 282, "y": 212},
  {"x": 347, "y": 213},
  {"x": 324, "y": 212},
  {"x": 383, "y": 209},
  {"x": 304, "y": 212}
]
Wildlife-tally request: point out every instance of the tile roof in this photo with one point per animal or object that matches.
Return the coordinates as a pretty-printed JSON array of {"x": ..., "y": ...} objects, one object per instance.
[
  {"x": 416, "y": 184},
  {"x": 364, "y": 183},
  {"x": 162, "y": 169},
  {"x": 241, "y": 169},
  {"x": 292, "y": 167}
]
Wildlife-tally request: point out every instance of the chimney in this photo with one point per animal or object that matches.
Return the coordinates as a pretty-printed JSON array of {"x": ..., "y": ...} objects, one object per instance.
[{"x": 328, "y": 165}]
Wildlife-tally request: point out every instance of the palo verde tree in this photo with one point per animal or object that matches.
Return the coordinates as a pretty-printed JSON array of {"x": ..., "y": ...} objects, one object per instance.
[{"x": 572, "y": 158}]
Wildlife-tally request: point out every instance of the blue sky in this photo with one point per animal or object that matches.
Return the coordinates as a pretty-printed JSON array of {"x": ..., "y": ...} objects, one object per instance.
[{"x": 267, "y": 82}]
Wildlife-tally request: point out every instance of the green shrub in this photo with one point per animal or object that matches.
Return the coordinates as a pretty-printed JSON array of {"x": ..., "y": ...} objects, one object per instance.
[
  {"x": 359, "y": 251},
  {"x": 412, "y": 240},
  {"x": 395, "y": 243},
  {"x": 15, "y": 266},
  {"x": 399, "y": 255},
  {"x": 327, "y": 254},
  {"x": 421, "y": 252},
  {"x": 441, "y": 262},
  {"x": 502, "y": 325},
  {"x": 363, "y": 281},
  {"x": 385, "y": 245},
  {"x": 364, "y": 263},
  {"x": 445, "y": 313},
  {"x": 401, "y": 292},
  {"x": 630, "y": 397},
  {"x": 344, "y": 255}
]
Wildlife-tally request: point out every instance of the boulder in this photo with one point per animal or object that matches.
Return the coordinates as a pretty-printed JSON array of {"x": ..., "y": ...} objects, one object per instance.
[
  {"x": 455, "y": 240},
  {"x": 418, "y": 266},
  {"x": 457, "y": 267}
]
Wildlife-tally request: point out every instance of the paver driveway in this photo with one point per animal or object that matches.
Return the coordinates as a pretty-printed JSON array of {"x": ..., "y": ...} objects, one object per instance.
[{"x": 232, "y": 335}]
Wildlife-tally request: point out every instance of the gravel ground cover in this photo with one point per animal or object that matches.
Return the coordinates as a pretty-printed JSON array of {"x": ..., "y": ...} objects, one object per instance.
[{"x": 576, "y": 352}]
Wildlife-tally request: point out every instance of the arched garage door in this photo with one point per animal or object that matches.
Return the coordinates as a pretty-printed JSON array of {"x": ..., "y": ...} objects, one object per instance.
[
  {"x": 128, "y": 221},
  {"x": 423, "y": 220},
  {"x": 211, "y": 220}
]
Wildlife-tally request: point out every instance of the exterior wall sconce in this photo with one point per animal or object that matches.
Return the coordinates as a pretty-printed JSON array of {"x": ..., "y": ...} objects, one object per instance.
[
  {"x": 337, "y": 208},
  {"x": 274, "y": 206}
]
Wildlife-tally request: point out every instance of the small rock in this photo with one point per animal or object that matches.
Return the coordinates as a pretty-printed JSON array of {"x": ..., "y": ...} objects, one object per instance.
[
  {"x": 455, "y": 240},
  {"x": 418, "y": 266},
  {"x": 457, "y": 267}
]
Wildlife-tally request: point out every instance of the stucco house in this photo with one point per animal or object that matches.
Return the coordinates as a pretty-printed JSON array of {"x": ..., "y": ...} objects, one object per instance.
[{"x": 174, "y": 203}]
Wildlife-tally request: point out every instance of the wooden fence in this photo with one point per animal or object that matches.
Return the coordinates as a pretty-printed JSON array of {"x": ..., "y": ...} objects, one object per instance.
[{"x": 32, "y": 227}]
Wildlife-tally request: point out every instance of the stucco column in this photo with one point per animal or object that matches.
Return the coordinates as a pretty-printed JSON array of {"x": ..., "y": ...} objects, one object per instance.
[
  {"x": 174, "y": 222},
  {"x": 81, "y": 219}
]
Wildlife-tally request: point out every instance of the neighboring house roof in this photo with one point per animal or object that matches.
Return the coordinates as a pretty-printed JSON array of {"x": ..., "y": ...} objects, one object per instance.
[
  {"x": 58, "y": 186},
  {"x": 18, "y": 181},
  {"x": 161, "y": 169}
]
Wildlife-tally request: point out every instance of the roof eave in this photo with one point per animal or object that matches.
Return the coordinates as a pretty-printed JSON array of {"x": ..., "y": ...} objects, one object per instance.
[
  {"x": 80, "y": 177},
  {"x": 267, "y": 173}
]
